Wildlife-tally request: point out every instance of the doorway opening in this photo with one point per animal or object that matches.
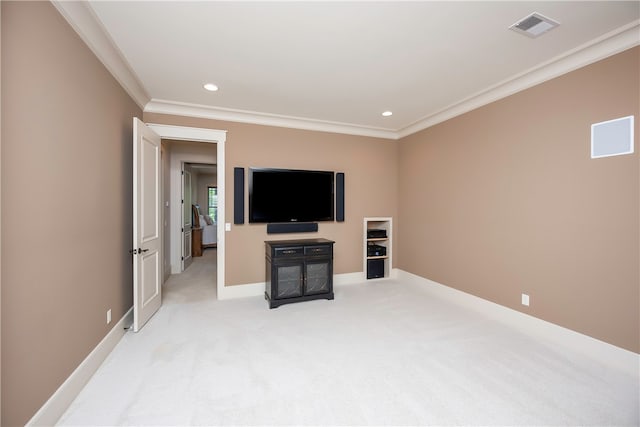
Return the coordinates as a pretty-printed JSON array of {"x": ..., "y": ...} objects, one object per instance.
[
  {"x": 199, "y": 149},
  {"x": 200, "y": 210}
]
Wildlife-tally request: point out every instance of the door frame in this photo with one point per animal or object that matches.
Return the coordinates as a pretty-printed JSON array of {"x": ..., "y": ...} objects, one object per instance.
[{"x": 211, "y": 136}]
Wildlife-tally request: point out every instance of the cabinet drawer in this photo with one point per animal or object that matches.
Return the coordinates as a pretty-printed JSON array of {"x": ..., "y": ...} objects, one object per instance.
[
  {"x": 317, "y": 250},
  {"x": 288, "y": 252}
]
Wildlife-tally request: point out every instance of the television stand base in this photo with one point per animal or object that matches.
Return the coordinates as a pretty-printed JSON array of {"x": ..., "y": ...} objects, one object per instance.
[{"x": 278, "y": 302}]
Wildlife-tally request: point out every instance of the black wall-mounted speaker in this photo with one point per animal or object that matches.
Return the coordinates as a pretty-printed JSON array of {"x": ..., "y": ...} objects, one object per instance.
[
  {"x": 292, "y": 227},
  {"x": 238, "y": 195},
  {"x": 340, "y": 197}
]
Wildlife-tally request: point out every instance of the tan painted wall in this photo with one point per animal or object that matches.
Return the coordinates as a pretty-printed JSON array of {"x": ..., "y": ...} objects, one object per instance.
[
  {"x": 505, "y": 200},
  {"x": 500, "y": 201},
  {"x": 66, "y": 142},
  {"x": 370, "y": 171}
]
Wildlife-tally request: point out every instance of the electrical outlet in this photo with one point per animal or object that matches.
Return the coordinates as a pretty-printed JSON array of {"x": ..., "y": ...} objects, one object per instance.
[
  {"x": 227, "y": 226},
  {"x": 108, "y": 316},
  {"x": 525, "y": 299}
]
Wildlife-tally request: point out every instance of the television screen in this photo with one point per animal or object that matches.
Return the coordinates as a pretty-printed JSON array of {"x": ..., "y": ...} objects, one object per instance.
[{"x": 285, "y": 195}]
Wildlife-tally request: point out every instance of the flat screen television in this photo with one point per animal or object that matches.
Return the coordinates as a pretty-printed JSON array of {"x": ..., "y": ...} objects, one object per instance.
[{"x": 287, "y": 195}]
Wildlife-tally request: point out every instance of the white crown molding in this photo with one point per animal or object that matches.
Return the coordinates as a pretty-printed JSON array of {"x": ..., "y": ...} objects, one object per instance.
[
  {"x": 84, "y": 21},
  {"x": 602, "y": 47},
  {"x": 227, "y": 114}
]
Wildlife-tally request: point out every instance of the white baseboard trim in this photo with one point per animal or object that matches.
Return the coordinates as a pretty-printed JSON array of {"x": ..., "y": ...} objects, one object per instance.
[
  {"x": 361, "y": 277},
  {"x": 241, "y": 291},
  {"x": 348, "y": 278},
  {"x": 58, "y": 403},
  {"x": 601, "y": 351}
]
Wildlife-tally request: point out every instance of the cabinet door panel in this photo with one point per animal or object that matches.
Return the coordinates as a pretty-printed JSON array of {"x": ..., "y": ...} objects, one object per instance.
[
  {"x": 317, "y": 278},
  {"x": 289, "y": 281}
]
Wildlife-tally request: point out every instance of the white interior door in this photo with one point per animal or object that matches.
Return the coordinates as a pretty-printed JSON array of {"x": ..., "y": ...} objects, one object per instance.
[
  {"x": 186, "y": 218},
  {"x": 147, "y": 235}
]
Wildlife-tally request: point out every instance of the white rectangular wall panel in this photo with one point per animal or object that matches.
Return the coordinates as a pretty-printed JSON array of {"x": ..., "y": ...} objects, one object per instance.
[{"x": 612, "y": 138}]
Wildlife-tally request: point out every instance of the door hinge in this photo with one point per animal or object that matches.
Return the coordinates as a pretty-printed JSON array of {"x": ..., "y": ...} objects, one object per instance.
[
  {"x": 182, "y": 258},
  {"x": 181, "y": 172},
  {"x": 182, "y": 230}
]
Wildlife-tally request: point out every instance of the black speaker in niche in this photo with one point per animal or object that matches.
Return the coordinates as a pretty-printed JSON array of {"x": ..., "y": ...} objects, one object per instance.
[
  {"x": 340, "y": 197},
  {"x": 238, "y": 195},
  {"x": 375, "y": 268}
]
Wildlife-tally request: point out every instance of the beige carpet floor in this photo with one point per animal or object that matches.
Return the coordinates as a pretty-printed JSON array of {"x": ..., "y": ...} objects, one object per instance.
[{"x": 381, "y": 353}]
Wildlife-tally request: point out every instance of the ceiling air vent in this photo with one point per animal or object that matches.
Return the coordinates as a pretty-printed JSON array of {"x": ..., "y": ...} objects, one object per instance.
[{"x": 534, "y": 25}]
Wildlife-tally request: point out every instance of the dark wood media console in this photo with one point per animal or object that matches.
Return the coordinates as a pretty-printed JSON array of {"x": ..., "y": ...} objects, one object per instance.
[{"x": 298, "y": 270}]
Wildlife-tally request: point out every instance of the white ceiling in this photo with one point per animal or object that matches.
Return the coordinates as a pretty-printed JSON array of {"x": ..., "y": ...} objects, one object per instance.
[{"x": 338, "y": 65}]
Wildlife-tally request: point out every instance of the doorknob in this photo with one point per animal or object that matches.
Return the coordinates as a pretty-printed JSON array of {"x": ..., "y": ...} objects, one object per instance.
[{"x": 138, "y": 251}]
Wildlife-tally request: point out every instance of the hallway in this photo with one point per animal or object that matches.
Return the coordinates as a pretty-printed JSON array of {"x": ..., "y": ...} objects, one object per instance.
[{"x": 198, "y": 282}]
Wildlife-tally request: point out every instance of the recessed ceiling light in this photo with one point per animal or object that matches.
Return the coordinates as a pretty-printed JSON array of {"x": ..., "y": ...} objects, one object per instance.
[
  {"x": 211, "y": 87},
  {"x": 387, "y": 113}
]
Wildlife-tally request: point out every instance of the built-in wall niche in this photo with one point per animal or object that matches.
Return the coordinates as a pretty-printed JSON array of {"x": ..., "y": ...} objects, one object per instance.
[
  {"x": 612, "y": 137},
  {"x": 377, "y": 238}
]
